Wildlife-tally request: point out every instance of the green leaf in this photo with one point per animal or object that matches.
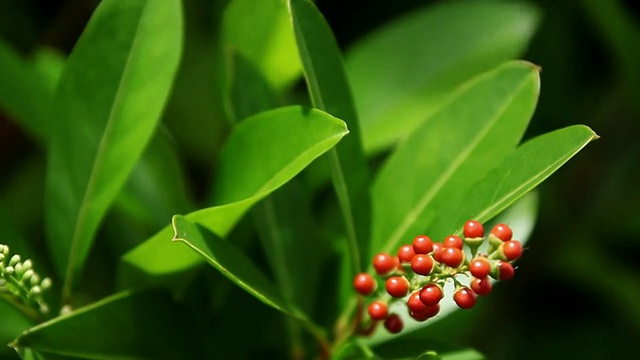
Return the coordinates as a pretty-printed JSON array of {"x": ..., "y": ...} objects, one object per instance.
[
  {"x": 248, "y": 93},
  {"x": 515, "y": 176},
  {"x": 329, "y": 90},
  {"x": 405, "y": 71},
  {"x": 13, "y": 323},
  {"x": 128, "y": 325},
  {"x": 230, "y": 261},
  {"x": 156, "y": 188},
  {"x": 195, "y": 114},
  {"x": 450, "y": 151},
  {"x": 302, "y": 135},
  {"x": 27, "y": 87},
  {"x": 108, "y": 102},
  {"x": 155, "y": 191},
  {"x": 260, "y": 31},
  {"x": 286, "y": 226}
]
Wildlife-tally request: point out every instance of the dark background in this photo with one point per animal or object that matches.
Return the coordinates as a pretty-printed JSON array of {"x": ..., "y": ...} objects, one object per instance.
[{"x": 577, "y": 290}]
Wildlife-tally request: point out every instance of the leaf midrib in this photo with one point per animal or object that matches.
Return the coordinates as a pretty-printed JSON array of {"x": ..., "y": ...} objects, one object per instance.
[
  {"x": 99, "y": 159},
  {"x": 536, "y": 179},
  {"x": 424, "y": 201}
]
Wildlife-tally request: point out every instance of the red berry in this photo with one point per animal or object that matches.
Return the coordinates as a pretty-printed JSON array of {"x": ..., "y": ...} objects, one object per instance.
[
  {"x": 378, "y": 310},
  {"x": 418, "y": 316},
  {"x": 452, "y": 256},
  {"x": 393, "y": 323},
  {"x": 437, "y": 252},
  {"x": 453, "y": 241},
  {"x": 415, "y": 304},
  {"x": 511, "y": 249},
  {"x": 505, "y": 270},
  {"x": 397, "y": 286},
  {"x": 431, "y": 294},
  {"x": 432, "y": 310},
  {"x": 384, "y": 263},
  {"x": 481, "y": 286},
  {"x": 502, "y": 232},
  {"x": 473, "y": 229},
  {"x": 480, "y": 267},
  {"x": 406, "y": 253},
  {"x": 364, "y": 284},
  {"x": 465, "y": 298},
  {"x": 422, "y": 264},
  {"x": 422, "y": 244}
]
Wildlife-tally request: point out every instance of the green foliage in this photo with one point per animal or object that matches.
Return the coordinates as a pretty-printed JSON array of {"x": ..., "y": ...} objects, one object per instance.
[{"x": 168, "y": 124}]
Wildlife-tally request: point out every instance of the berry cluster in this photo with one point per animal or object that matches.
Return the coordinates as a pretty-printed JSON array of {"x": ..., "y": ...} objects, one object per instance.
[
  {"x": 20, "y": 284},
  {"x": 421, "y": 269}
]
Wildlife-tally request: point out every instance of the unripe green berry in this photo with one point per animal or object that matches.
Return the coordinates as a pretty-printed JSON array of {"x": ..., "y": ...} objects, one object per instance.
[
  {"x": 35, "y": 290},
  {"x": 9, "y": 270}
]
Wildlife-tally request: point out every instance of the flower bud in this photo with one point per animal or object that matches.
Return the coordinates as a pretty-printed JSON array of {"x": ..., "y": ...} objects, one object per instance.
[
  {"x": 27, "y": 275},
  {"x": 14, "y": 260},
  {"x": 27, "y": 264},
  {"x": 35, "y": 279},
  {"x": 35, "y": 290},
  {"x": 19, "y": 269},
  {"x": 46, "y": 283}
]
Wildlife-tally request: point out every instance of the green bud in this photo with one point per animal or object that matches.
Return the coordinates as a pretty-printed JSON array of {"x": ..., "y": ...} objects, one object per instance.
[
  {"x": 19, "y": 269},
  {"x": 35, "y": 290},
  {"x": 46, "y": 283},
  {"x": 27, "y": 264},
  {"x": 14, "y": 260},
  {"x": 35, "y": 279},
  {"x": 2, "y": 257},
  {"x": 9, "y": 270},
  {"x": 44, "y": 308},
  {"x": 27, "y": 275}
]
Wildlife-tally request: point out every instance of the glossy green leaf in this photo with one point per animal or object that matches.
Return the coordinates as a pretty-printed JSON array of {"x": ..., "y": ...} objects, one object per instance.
[
  {"x": 329, "y": 90},
  {"x": 128, "y": 325},
  {"x": 13, "y": 323},
  {"x": 260, "y": 31},
  {"x": 278, "y": 217},
  {"x": 516, "y": 175},
  {"x": 156, "y": 188},
  {"x": 108, "y": 102},
  {"x": 403, "y": 72},
  {"x": 248, "y": 92},
  {"x": 450, "y": 151},
  {"x": 155, "y": 191},
  {"x": 231, "y": 262},
  {"x": 195, "y": 114},
  {"x": 27, "y": 87},
  {"x": 303, "y": 135}
]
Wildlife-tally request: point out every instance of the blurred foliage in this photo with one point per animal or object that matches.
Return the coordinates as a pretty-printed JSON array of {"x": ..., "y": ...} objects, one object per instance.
[{"x": 577, "y": 285}]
